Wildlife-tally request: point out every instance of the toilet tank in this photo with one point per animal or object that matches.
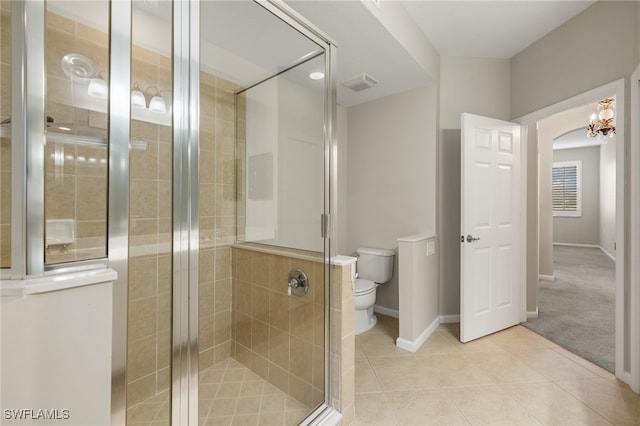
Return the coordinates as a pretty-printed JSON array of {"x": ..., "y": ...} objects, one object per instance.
[{"x": 375, "y": 264}]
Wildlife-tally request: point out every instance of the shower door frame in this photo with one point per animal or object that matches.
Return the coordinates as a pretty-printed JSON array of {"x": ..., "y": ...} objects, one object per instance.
[
  {"x": 185, "y": 367},
  {"x": 186, "y": 232},
  {"x": 328, "y": 230}
]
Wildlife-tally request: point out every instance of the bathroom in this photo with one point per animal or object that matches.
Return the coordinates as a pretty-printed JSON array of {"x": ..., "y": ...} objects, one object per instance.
[
  {"x": 174, "y": 259},
  {"x": 184, "y": 251}
]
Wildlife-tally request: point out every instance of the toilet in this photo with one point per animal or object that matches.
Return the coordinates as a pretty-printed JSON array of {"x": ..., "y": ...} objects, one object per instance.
[{"x": 375, "y": 267}]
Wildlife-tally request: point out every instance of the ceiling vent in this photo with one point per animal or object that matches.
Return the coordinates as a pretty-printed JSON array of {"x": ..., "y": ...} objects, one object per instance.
[{"x": 360, "y": 83}]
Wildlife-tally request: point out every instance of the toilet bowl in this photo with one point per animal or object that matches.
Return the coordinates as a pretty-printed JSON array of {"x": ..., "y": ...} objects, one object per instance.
[
  {"x": 375, "y": 266},
  {"x": 365, "y": 298}
]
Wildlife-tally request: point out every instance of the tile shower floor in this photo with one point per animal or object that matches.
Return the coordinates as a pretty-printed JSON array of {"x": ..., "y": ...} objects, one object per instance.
[
  {"x": 230, "y": 394},
  {"x": 513, "y": 377}
]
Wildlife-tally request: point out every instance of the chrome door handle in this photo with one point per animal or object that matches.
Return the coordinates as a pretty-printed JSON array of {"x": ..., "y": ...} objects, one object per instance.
[{"x": 471, "y": 239}]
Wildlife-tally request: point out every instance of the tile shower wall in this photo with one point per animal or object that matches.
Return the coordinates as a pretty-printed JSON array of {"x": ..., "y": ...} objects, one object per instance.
[
  {"x": 76, "y": 175},
  {"x": 5, "y": 142},
  {"x": 217, "y": 220},
  {"x": 150, "y": 254},
  {"x": 280, "y": 337}
]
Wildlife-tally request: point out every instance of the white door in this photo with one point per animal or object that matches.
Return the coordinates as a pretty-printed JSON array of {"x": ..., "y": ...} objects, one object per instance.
[{"x": 490, "y": 271}]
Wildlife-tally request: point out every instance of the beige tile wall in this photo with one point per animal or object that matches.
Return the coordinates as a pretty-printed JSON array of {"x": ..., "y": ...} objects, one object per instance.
[
  {"x": 241, "y": 146},
  {"x": 75, "y": 175},
  {"x": 279, "y": 337},
  {"x": 342, "y": 350},
  {"x": 217, "y": 216},
  {"x": 150, "y": 258}
]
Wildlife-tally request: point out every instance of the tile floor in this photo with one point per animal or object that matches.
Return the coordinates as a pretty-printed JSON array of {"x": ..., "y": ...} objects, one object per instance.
[
  {"x": 230, "y": 394},
  {"x": 513, "y": 377}
]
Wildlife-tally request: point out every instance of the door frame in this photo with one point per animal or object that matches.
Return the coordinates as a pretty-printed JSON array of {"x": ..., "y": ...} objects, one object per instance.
[{"x": 592, "y": 96}]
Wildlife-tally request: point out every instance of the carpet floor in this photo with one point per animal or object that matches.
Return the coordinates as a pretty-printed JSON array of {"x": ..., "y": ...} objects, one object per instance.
[{"x": 577, "y": 310}]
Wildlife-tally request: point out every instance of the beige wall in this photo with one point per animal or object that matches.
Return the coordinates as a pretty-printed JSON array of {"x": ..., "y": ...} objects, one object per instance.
[
  {"x": 342, "y": 179},
  {"x": 586, "y": 228},
  {"x": 608, "y": 167},
  {"x": 478, "y": 86},
  {"x": 475, "y": 85},
  {"x": 545, "y": 211},
  {"x": 532, "y": 218},
  {"x": 419, "y": 298},
  {"x": 562, "y": 64},
  {"x": 391, "y": 174},
  {"x": 449, "y": 218}
]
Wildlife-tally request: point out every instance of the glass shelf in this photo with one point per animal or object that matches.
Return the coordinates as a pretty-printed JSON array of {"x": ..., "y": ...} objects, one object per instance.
[{"x": 72, "y": 139}]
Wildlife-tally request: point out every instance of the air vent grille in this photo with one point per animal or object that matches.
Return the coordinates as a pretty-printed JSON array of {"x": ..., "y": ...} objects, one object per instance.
[{"x": 360, "y": 82}]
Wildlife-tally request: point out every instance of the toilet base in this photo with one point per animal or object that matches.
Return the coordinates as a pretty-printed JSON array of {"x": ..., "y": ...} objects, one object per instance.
[{"x": 365, "y": 320}]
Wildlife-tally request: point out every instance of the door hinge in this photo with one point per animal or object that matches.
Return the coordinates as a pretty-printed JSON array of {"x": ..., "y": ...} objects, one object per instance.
[{"x": 324, "y": 225}]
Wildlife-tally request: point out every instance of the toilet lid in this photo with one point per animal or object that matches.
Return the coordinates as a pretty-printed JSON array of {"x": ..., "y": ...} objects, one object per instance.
[{"x": 364, "y": 286}]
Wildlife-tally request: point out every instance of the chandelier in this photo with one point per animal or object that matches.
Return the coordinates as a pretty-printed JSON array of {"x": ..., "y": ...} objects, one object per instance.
[{"x": 601, "y": 122}]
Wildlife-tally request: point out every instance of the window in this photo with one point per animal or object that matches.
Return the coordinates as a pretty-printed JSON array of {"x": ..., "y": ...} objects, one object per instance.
[{"x": 567, "y": 189}]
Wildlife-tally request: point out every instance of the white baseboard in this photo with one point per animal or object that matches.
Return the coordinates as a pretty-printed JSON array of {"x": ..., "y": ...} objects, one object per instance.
[
  {"x": 609, "y": 255},
  {"x": 449, "y": 319},
  {"x": 577, "y": 245},
  {"x": 532, "y": 315},
  {"x": 386, "y": 311},
  {"x": 546, "y": 277},
  {"x": 413, "y": 346}
]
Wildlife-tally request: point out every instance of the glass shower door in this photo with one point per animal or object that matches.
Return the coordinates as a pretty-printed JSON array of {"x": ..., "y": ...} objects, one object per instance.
[
  {"x": 151, "y": 178},
  {"x": 261, "y": 200}
]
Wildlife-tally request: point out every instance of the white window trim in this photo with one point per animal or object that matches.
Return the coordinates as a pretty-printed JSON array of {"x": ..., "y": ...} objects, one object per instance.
[{"x": 578, "y": 165}]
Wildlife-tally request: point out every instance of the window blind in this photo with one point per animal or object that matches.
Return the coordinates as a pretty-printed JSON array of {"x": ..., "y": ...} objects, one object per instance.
[{"x": 566, "y": 189}]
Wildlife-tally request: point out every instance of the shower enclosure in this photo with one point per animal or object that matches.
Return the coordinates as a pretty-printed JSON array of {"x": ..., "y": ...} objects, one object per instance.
[{"x": 166, "y": 176}]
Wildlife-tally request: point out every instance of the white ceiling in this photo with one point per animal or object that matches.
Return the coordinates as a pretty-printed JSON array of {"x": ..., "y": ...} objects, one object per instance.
[
  {"x": 489, "y": 29},
  {"x": 575, "y": 139},
  {"x": 486, "y": 29},
  {"x": 364, "y": 46}
]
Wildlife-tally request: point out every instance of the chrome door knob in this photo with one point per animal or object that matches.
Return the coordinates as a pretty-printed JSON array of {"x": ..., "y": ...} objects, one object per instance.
[{"x": 471, "y": 239}]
